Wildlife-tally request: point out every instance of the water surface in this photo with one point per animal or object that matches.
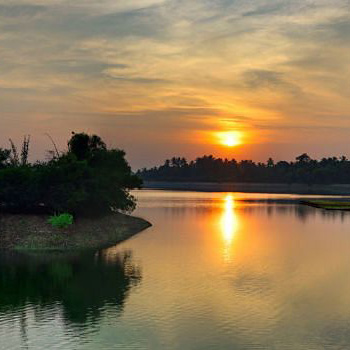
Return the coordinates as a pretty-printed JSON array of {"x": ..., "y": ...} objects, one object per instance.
[{"x": 216, "y": 271}]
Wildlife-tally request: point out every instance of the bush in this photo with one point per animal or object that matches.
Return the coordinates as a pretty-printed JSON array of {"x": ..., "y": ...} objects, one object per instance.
[
  {"x": 19, "y": 190},
  {"x": 87, "y": 180},
  {"x": 62, "y": 220}
]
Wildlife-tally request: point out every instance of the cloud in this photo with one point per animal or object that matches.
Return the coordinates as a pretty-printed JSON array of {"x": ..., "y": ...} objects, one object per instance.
[
  {"x": 23, "y": 11},
  {"x": 193, "y": 64},
  {"x": 267, "y": 10},
  {"x": 258, "y": 79}
]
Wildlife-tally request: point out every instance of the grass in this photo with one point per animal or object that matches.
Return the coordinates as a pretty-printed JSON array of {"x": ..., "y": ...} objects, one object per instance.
[
  {"x": 61, "y": 220},
  {"x": 328, "y": 204}
]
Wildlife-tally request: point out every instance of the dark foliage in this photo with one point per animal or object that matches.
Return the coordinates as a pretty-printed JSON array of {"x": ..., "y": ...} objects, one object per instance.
[
  {"x": 19, "y": 188},
  {"x": 83, "y": 145},
  {"x": 4, "y": 157},
  {"x": 88, "y": 179},
  {"x": 208, "y": 168}
]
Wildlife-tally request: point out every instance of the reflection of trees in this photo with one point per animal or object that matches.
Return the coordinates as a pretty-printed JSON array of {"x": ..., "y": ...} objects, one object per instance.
[
  {"x": 270, "y": 207},
  {"x": 83, "y": 285},
  {"x": 290, "y": 208}
]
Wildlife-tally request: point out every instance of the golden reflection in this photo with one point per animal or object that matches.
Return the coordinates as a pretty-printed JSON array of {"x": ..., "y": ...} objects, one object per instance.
[{"x": 229, "y": 225}]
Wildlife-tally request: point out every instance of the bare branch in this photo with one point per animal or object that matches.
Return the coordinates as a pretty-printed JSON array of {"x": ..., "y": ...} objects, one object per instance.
[
  {"x": 54, "y": 144},
  {"x": 14, "y": 155}
]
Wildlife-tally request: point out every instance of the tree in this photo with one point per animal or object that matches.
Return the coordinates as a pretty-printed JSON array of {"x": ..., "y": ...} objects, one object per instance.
[
  {"x": 270, "y": 163},
  {"x": 89, "y": 179},
  {"x": 83, "y": 145},
  {"x": 303, "y": 158}
]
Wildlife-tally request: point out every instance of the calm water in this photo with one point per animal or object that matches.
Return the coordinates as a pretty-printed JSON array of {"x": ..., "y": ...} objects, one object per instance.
[{"x": 216, "y": 271}]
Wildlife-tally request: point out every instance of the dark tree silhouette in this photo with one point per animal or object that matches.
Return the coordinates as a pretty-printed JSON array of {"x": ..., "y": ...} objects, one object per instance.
[
  {"x": 83, "y": 145},
  {"x": 303, "y": 158},
  {"x": 89, "y": 179},
  {"x": 208, "y": 168}
]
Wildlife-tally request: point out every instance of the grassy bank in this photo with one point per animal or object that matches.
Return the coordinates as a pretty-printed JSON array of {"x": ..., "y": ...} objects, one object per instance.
[
  {"x": 33, "y": 232},
  {"x": 329, "y": 205}
]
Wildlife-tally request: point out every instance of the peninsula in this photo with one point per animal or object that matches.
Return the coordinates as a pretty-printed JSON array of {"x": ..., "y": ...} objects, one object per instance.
[{"x": 75, "y": 200}]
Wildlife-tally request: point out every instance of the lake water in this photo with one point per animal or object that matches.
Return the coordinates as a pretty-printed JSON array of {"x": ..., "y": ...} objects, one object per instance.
[{"x": 217, "y": 271}]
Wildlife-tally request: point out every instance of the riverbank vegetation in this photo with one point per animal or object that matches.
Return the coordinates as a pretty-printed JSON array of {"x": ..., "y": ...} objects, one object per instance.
[
  {"x": 71, "y": 201},
  {"x": 303, "y": 170},
  {"x": 88, "y": 179}
]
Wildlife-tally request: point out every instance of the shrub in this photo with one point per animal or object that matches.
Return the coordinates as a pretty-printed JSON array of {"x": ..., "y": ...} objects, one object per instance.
[
  {"x": 19, "y": 190},
  {"x": 87, "y": 180},
  {"x": 62, "y": 220}
]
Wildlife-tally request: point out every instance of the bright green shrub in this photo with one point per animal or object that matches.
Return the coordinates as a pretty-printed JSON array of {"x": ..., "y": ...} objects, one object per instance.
[{"x": 62, "y": 220}]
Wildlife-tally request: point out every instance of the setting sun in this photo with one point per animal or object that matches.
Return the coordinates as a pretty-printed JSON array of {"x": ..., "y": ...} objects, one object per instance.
[{"x": 230, "y": 138}]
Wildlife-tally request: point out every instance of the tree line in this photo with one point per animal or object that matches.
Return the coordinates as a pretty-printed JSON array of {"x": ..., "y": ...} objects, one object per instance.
[
  {"x": 86, "y": 179},
  {"x": 304, "y": 170}
]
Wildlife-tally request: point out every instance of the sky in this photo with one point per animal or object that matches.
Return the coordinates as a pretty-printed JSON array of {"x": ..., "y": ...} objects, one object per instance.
[{"x": 163, "y": 78}]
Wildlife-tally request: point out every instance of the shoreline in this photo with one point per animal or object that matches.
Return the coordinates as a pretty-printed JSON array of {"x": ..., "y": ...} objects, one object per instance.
[
  {"x": 328, "y": 204},
  {"x": 33, "y": 232},
  {"x": 334, "y": 189}
]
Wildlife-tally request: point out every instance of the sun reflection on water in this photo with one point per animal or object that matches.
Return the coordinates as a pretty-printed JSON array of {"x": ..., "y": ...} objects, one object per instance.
[{"x": 229, "y": 225}]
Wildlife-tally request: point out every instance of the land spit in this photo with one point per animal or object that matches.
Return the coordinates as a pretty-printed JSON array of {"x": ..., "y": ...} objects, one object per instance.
[{"x": 33, "y": 232}]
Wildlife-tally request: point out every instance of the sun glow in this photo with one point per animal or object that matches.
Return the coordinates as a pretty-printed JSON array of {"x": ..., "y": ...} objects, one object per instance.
[{"x": 230, "y": 138}]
